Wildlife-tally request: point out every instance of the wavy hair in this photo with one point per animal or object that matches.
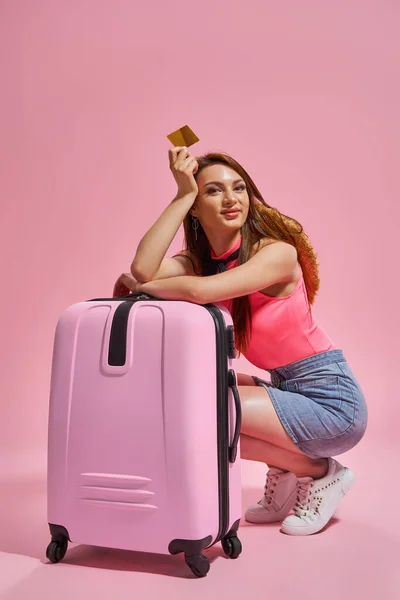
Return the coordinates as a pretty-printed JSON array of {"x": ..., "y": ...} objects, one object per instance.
[{"x": 263, "y": 221}]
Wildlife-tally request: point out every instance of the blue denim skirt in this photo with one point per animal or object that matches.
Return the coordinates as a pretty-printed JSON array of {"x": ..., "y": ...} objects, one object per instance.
[{"x": 319, "y": 403}]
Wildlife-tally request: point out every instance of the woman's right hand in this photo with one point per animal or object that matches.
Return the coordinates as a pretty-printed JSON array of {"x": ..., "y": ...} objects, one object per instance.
[
  {"x": 183, "y": 166},
  {"x": 124, "y": 285}
]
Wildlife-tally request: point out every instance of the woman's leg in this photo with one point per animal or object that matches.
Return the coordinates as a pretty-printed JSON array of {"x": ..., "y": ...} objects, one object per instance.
[
  {"x": 265, "y": 440},
  {"x": 275, "y": 457}
]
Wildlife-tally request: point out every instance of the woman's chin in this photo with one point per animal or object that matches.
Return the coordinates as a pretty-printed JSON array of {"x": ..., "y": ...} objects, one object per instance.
[
  {"x": 229, "y": 227},
  {"x": 226, "y": 225}
]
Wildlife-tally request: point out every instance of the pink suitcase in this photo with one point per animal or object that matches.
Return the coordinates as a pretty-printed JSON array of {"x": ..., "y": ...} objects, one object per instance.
[{"x": 144, "y": 424}]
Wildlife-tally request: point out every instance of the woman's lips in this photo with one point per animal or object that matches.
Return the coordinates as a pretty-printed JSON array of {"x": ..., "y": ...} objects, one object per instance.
[{"x": 231, "y": 215}]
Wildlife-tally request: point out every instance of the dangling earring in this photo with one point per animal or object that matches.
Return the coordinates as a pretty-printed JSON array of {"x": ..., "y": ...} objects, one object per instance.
[{"x": 195, "y": 226}]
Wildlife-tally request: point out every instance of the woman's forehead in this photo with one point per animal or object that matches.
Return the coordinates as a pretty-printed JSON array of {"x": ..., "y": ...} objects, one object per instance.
[{"x": 218, "y": 172}]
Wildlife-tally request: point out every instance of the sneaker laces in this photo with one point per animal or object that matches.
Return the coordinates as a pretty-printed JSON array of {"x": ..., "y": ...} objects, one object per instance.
[
  {"x": 270, "y": 484},
  {"x": 305, "y": 505}
]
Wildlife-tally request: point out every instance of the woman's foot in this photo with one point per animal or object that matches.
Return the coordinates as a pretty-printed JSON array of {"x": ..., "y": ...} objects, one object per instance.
[
  {"x": 317, "y": 500},
  {"x": 278, "y": 500}
]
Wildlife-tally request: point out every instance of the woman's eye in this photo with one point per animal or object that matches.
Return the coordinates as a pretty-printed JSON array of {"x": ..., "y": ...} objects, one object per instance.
[{"x": 213, "y": 190}]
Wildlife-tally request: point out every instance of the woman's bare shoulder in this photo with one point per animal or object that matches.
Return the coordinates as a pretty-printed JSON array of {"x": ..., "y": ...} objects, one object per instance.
[
  {"x": 266, "y": 241},
  {"x": 260, "y": 244}
]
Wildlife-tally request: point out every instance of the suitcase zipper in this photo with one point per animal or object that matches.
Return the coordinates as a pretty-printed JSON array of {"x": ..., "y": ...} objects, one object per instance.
[{"x": 222, "y": 420}]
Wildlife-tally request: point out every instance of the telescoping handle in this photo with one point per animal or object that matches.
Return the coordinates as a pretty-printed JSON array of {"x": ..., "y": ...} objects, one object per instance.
[{"x": 238, "y": 408}]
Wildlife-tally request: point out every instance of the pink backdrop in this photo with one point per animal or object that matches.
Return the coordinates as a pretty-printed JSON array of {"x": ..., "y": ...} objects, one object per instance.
[
  {"x": 310, "y": 106},
  {"x": 305, "y": 94}
]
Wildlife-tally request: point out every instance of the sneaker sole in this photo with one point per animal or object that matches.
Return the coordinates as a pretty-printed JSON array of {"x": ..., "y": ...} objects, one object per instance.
[
  {"x": 346, "y": 484},
  {"x": 275, "y": 517}
]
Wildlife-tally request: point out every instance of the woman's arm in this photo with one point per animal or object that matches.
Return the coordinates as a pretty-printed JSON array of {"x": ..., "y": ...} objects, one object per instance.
[
  {"x": 155, "y": 243},
  {"x": 272, "y": 264}
]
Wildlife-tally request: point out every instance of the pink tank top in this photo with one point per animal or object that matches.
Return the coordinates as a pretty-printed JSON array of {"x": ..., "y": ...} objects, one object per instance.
[{"x": 284, "y": 329}]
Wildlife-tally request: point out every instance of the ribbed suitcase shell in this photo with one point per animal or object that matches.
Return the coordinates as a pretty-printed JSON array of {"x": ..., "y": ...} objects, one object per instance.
[{"x": 136, "y": 460}]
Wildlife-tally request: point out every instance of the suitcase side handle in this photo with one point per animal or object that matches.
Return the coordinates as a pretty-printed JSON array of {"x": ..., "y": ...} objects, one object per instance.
[{"x": 238, "y": 407}]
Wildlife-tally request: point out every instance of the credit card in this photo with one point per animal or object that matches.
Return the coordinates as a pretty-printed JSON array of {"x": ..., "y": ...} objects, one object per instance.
[{"x": 183, "y": 137}]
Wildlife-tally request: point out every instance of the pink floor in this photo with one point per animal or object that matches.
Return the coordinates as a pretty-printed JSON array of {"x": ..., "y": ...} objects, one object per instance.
[{"x": 355, "y": 557}]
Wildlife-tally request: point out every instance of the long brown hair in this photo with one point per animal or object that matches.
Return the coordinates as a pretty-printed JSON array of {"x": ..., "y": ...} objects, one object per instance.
[{"x": 263, "y": 221}]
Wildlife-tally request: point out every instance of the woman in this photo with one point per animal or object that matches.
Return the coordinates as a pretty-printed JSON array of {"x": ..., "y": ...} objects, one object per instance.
[{"x": 259, "y": 263}]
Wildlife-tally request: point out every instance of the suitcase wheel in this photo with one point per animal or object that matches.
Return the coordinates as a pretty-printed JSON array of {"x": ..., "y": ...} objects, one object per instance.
[
  {"x": 232, "y": 546},
  {"x": 200, "y": 565},
  {"x": 56, "y": 550}
]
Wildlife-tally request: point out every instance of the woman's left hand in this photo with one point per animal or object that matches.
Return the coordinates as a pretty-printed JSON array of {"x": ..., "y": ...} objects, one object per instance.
[{"x": 125, "y": 284}]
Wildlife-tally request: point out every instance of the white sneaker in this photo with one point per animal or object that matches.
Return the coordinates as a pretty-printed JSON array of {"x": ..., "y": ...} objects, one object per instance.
[
  {"x": 317, "y": 500},
  {"x": 278, "y": 500}
]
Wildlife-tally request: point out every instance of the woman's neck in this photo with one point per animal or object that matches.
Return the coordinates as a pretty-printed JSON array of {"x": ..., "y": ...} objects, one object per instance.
[{"x": 221, "y": 245}]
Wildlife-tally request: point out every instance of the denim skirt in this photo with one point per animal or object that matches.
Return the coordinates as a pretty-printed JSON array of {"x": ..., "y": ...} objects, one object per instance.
[{"x": 319, "y": 403}]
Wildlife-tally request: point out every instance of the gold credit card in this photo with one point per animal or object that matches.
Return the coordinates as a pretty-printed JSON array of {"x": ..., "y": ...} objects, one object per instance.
[{"x": 183, "y": 137}]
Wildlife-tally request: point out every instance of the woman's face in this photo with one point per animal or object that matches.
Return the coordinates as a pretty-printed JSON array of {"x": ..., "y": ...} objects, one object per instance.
[{"x": 221, "y": 191}]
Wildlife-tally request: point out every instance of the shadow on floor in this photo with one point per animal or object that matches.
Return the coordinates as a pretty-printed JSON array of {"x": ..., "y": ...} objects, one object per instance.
[{"x": 138, "y": 562}]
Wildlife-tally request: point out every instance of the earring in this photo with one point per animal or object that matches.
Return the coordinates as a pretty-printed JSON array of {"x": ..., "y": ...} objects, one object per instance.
[{"x": 195, "y": 226}]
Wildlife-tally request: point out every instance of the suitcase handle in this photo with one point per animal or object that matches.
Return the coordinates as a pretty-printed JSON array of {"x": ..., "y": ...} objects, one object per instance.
[
  {"x": 234, "y": 445},
  {"x": 136, "y": 296}
]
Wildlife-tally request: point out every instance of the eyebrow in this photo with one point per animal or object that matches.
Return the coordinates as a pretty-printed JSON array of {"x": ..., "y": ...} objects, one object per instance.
[{"x": 221, "y": 183}]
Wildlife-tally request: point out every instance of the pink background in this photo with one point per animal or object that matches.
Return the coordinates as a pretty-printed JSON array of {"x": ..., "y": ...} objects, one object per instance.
[{"x": 306, "y": 95}]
